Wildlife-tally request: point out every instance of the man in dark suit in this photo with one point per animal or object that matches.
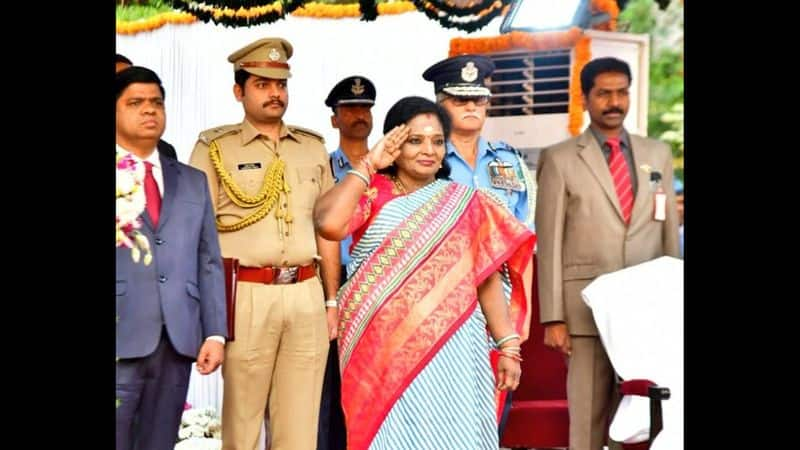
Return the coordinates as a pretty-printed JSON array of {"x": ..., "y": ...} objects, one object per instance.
[
  {"x": 164, "y": 147},
  {"x": 605, "y": 202},
  {"x": 171, "y": 311}
]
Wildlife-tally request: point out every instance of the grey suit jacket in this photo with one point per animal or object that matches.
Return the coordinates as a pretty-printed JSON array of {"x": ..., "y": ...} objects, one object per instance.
[
  {"x": 183, "y": 287},
  {"x": 579, "y": 224}
]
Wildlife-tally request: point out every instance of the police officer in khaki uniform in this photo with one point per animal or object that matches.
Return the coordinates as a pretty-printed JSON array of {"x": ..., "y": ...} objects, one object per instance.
[{"x": 264, "y": 177}]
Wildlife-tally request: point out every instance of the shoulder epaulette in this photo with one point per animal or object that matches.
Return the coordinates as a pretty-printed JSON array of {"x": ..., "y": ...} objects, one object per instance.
[
  {"x": 306, "y": 132},
  {"x": 208, "y": 136},
  {"x": 500, "y": 145}
]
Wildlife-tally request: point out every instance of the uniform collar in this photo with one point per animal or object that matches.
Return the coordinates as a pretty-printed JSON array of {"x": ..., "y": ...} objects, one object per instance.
[
  {"x": 483, "y": 147},
  {"x": 249, "y": 132},
  {"x": 336, "y": 155}
]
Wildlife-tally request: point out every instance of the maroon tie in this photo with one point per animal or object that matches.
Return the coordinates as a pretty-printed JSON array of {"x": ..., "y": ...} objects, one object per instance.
[
  {"x": 151, "y": 194},
  {"x": 622, "y": 179}
]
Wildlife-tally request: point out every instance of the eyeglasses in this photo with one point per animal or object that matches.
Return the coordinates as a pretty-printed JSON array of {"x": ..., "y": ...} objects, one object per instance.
[{"x": 479, "y": 101}]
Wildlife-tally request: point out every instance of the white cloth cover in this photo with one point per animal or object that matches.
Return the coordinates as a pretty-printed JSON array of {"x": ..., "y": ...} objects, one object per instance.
[{"x": 639, "y": 315}]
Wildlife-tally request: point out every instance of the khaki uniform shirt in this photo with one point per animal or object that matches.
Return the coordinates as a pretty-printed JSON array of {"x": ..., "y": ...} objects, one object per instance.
[{"x": 246, "y": 155}]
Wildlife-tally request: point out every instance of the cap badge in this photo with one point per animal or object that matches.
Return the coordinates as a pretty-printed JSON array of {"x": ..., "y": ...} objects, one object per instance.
[
  {"x": 469, "y": 73},
  {"x": 357, "y": 88},
  {"x": 274, "y": 55}
]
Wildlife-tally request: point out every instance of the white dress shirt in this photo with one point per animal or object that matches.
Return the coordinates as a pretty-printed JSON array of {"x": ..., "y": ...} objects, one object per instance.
[{"x": 158, "y": 174}]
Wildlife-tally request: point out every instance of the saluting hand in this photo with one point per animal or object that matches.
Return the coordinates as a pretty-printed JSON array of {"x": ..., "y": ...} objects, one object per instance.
[{"x": 385, "y": 151}]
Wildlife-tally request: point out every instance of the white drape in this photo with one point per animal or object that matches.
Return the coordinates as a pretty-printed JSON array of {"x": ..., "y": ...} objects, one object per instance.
[
  {"x": 639, "y": 315},
  {"x": 192, "y": 63}
]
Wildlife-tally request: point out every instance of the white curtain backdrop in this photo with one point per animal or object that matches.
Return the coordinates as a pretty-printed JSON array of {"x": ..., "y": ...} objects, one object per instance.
[{"x": 191, "y": 60}]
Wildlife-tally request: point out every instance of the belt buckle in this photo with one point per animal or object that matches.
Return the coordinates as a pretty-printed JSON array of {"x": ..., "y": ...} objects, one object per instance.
[{"x": 286, "y": 275}]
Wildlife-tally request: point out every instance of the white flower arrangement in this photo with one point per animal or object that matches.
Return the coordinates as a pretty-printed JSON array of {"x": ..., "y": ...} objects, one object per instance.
[
  {"x": 201, "y": 429},
  {"x": 130, "y": 204}
]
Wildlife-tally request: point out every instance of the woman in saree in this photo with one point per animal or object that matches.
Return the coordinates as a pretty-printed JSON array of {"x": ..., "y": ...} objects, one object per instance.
[{"x": 424, "y": 286}]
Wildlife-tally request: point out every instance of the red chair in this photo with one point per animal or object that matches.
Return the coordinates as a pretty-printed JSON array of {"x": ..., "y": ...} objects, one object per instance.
[
  {"x": 646, "y": 388},
  {"x": 539, "y": 417}
]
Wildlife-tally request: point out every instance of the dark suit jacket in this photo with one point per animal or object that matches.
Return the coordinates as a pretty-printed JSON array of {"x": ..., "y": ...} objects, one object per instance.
[
  {"x": 166, "y": 149},
  {"x": 183, "y": 287},
  {"x": 579, "y": 224}
]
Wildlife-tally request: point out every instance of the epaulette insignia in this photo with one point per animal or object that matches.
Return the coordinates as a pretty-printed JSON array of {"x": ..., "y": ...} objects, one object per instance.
[
  {"x": 208, "y": 136},
  {"x": 306, "y": 132},
  {"x": 500, "y": 145}
]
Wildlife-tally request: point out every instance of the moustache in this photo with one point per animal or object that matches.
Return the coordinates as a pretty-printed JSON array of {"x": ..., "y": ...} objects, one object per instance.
[
  {"x": 276, "y": 102},
  {"x": 613, "y": 110}
]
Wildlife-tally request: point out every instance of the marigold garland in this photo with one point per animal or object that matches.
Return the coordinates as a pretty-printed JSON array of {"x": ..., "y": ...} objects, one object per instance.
[
  {"x": 541, "y": 41},
  {"x": 464, "y": 23},
  {"x": 583, "y": 53},
  {"x": 154, "y": 22},
  {"x": 246, "y": 15},
  {"x": 259, "y": 14},
  {"x": 545, "y": 40},
  {"x": 609, "y": 7},
  {"x": 238, "y": 17},
  {"x": 330, "y": 11}
]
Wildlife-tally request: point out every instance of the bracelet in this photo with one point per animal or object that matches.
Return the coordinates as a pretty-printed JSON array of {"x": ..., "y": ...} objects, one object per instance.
[
  {"x": 331, "y": 303},
  {"x": 511, "y": 349},
  {"x": 506, "y": 339},
  {"x": 359, "y": 175},
  {"x": 516, "y": 358}
]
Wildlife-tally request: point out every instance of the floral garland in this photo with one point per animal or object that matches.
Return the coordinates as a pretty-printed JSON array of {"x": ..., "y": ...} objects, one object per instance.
[
  {"x": 464, "y": 23},
  {"x": 541, "y": 41},
  {"x": 154, "y": 22},
  {"x": 258, "y": 14},
  {"x": 240, "y": 17},
  {"x": 251, "y": 12},
  {"x": 583, "y": 53},
  {"x": 130, "y": 204},
  {"x": 609, "y": 7},
  {"x": 545, "y": 40},
  {"x": 330, "y": 11}
]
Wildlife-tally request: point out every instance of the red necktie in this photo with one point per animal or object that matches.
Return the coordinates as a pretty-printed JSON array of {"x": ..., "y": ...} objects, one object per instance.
[
  {"x": 151, "y": 194},
  {"x": 622, "y": 179}
]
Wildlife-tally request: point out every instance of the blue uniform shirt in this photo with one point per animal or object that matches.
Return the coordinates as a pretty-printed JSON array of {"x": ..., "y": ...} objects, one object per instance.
[
  {"x": 340, "y": 166},
  {"x": 461, "y": 172}
]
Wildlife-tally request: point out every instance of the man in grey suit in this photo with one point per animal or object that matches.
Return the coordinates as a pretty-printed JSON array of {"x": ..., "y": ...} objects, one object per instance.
[
  {"x": 605, "y": 202},
  {"x": 171, "y": 312}
]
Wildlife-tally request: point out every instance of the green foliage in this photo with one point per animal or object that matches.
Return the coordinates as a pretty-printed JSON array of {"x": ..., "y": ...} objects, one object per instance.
[
  {"x": 129, "y": 12},
  {"x": 665, "y": 112},
  {"x": 637, "y": 17}
]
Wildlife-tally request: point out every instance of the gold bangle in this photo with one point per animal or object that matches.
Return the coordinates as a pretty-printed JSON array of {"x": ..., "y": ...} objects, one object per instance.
[
  {"x": 359, "y": 175},
  {"x": 506, "y": 339}
]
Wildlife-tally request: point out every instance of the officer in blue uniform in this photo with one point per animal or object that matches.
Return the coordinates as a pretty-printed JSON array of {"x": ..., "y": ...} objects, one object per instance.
[
  {"x": 495, "y": 168},
  {"x": 351, "y": 100}
]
